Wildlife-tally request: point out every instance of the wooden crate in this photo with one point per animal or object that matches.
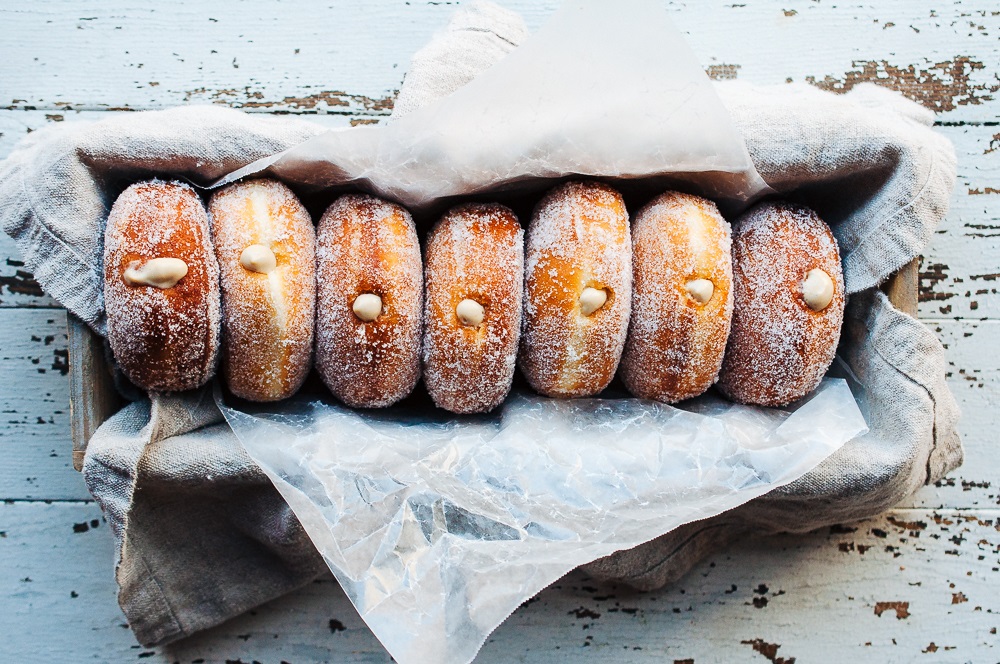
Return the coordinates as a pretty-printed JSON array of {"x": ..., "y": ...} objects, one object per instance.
[{"x": 93, "y": 397}]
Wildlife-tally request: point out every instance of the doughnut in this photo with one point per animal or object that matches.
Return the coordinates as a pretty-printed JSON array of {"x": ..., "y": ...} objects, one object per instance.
[
  {"x": 474, "y": 272},
  {"x": 369, "y": 301},
  {"x": 161, "y": 287},
  {"x": 682, "y": 298},
  {"x": 266, "y": 244},
  {"x": 577, "y": 290},
  {"x": 788, "y": 305}
]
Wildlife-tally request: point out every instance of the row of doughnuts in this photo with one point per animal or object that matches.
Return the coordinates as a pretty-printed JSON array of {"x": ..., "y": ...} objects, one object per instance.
[
  {"x": 672, "y": 297},
  {"x": 676, "y": 301}
]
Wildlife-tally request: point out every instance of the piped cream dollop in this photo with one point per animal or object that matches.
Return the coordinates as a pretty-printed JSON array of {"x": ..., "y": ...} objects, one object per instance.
[
  {"x": 258, "y": 258},
  {"x": 470, "y": 313},
  {"x": 592, "y": 299},
  {"x": 367, "y": 307},
  {"x": 162, "y": 272},
  {"x": 700, "y": 290},
  {"x": 817, "y": 289}
]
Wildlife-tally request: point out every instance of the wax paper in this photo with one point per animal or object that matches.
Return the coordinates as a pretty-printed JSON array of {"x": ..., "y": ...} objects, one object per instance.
[
  {"x": 605, "y": 89},
  {"x": 439, "y": 527}
]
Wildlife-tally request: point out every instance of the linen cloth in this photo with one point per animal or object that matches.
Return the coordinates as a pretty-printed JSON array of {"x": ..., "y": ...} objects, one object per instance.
[{"x": 202, "y": 536}]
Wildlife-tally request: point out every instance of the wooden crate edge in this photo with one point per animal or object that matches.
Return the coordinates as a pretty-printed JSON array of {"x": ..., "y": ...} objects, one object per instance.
[{"x": 92, "y": 394}]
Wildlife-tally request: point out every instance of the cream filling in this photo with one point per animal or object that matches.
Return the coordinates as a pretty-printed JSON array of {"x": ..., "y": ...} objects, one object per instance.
[
  {"x": 817, "y": 289},
  {"x": 700, "y": 290},
  {"x": 367, "y": 307},
  {"x": 258, "y": 258},
  {"x": 470, "y": 313},
  {"x": 161, "y": 273},
  {"x": 592, "y": 299}
]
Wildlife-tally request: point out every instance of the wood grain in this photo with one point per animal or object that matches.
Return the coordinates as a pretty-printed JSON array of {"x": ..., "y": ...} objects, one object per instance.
[
  {"x": 350, "y": 58},
  {"x": 93, "y": 397},
  {"x": 881, "y": 590},
  {"x": 36, "y": 456},
  {"x": 911, "y": 47}
]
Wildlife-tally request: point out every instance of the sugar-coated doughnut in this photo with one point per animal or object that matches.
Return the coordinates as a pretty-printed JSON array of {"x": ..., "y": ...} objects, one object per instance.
[
  {"x": 473, "y": 270},
  {"x": 161, "y": 287},
  {"x": 788, "y": 306},
  {"x": 577, "y": 290},
  {"x": 682, "y": 298},
  {"x": 265, "y": 244},
  {"x": 369, "y": 301}
]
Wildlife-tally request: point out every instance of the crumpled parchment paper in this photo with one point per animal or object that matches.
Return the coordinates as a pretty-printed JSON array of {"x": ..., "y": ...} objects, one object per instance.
[{"x": 439, "y": 528}]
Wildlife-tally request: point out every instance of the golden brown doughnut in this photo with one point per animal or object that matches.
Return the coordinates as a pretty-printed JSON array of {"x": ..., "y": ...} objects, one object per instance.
[
  {"x": 161, "y": 287},
  {"x": 474, "y": 271},
  {"x": 369, "y": 304},
  {"x": 577, "y": 290},
  {"x": 682, "y": 299},
  {"x": 788, "y": 306},
  {"x": 266, "y": 244}
]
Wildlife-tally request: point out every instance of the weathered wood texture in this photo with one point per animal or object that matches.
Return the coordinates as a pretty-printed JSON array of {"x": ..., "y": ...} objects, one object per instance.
[
  {"x": 93, "y": 397},
  {"x": 920, "y": 583},
  {"x": 348, "y": 57},
  {"x": 892, "y": 589}
]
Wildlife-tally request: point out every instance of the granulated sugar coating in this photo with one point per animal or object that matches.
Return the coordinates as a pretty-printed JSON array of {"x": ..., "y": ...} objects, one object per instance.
[
  {"x": 164, "y": 339},
  {"x": 268, "y": 316},
  {"x": 676, "y": 343},
  {"x": 779, "y": 348},
  {"x": 367, "y": 245},
  {"x": 475, "y": 252},
  {"x": 578, "y": 238}
]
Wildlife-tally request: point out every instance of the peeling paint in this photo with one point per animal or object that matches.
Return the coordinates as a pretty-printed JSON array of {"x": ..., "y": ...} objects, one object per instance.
[
  {"x": 723, "y": 72},
  {"x": 21, "y": 283},
  {"x": 769, "y": 650},
  {"x": 329, "y": 99},
  {"x": 902, "y": 609},
  {"x": 942, "y": 87},
  {"x": 584, "y": 612},
  {"x": 994, "y": 144},
  {"x": 930, "y": 276}
]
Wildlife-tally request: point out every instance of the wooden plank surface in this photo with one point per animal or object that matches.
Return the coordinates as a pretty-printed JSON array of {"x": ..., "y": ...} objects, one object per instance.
[
  {"x": 352, "y": 56},
  {"x": 892, "y": 589},
  {"x": 917, "y": 584}
]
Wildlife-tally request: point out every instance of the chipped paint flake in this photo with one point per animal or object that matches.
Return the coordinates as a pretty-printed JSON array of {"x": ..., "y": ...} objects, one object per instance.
[
  {"x": 723, "y": 72},
  {"x": 902, "y": 609},
  {"x": 941, "y": 87},
  {"x": 930, "y": 277},
  {"x": 768, "y": 650},
  {"x": 335, "y": 100}
]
